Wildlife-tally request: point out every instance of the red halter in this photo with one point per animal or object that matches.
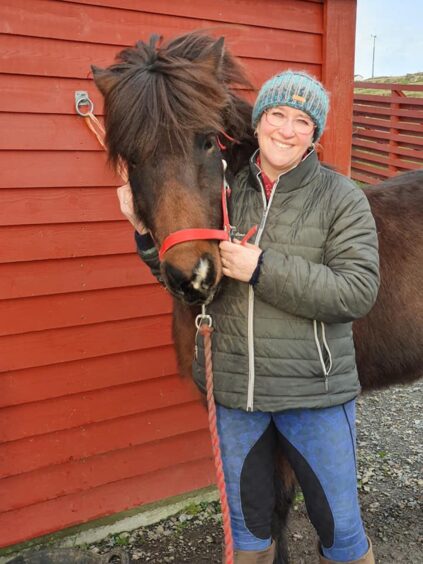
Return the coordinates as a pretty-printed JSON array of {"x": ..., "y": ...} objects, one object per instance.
[{"x": 225, "y": 234}]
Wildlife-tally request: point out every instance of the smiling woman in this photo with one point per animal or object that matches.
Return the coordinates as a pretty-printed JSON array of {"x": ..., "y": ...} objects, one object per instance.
[
  {"x": 289, "y": 115},
  {"x": 284, "y": 136},
  {"x": 284, "y": 365}
]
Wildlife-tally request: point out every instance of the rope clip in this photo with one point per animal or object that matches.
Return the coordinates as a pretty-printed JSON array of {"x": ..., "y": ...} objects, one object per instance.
[{"x": 203, "y": 318}]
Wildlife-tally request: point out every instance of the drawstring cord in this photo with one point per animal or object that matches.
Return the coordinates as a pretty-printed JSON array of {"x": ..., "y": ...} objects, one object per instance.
[{"x": 326, "y": 371}]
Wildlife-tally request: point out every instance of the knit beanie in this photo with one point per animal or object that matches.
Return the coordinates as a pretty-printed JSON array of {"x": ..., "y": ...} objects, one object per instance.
[{"x": 298, "y": 90}]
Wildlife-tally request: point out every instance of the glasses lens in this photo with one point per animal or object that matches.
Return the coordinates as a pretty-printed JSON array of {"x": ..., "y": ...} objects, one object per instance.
[{"x": 279, "y": 119}]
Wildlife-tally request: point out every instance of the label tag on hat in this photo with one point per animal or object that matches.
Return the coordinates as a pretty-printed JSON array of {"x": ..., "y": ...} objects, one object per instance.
[{"x": 298, "y": 98}]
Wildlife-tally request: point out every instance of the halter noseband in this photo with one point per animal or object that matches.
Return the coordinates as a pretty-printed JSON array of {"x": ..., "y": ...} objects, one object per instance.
[
  {"x": 184, "y": 235},
  {"x": 225, "y": 234}
]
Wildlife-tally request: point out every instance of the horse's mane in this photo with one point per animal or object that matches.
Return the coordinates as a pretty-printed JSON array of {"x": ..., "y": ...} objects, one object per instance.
[{"x": 160, "y": 94}]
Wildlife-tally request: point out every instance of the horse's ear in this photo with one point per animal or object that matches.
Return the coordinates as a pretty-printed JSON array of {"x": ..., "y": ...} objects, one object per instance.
[
  {"x": 214, "y": 55},
  {"x": 104, "y": 79}
]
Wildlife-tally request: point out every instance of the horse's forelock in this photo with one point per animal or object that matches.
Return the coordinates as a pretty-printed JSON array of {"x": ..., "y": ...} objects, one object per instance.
[
  {"x": 159, "y": 96},
  {"x": 162, "y": 95}
]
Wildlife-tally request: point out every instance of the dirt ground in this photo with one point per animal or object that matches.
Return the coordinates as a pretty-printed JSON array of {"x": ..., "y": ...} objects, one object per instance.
[{"x": 390, "y": 478}]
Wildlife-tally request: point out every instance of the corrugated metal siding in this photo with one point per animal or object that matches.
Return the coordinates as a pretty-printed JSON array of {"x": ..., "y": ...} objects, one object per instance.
[{"x": 94, "y": 418}]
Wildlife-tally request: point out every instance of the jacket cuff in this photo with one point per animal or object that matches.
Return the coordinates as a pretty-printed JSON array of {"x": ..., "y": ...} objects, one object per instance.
[
  {"x": 255, "y": 276},
  {"x": 144, "y": 242}
]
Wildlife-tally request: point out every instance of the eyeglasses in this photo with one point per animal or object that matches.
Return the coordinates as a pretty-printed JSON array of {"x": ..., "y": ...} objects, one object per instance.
[{"x": 277, "y": 118}]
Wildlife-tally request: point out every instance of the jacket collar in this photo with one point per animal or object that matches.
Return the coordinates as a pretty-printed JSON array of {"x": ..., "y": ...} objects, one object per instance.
[{"x": 296, "y": 178}]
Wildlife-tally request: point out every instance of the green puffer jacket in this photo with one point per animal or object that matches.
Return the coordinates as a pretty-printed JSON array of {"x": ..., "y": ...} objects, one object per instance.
[{"x": 287, "y": 342}]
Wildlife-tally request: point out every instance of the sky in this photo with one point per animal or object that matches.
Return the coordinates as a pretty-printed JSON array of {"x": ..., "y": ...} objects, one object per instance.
[{"x": 398, "y": 26}]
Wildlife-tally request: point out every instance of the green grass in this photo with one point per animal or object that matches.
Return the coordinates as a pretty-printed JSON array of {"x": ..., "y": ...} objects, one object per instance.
[{"x": 415, "y": 78}]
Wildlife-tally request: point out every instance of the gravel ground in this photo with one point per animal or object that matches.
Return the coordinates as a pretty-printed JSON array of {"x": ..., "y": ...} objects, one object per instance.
[
  {"x": 390, "y": 462},
  {"x": 390, "y": 480}
]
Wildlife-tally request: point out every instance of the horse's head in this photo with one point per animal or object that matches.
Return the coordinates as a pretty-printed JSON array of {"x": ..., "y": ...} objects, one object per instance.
[{"x": 164, "y": 108}]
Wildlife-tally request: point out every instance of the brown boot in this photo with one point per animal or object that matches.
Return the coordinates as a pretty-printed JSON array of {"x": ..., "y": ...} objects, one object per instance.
[
  {"x": 367, "y": 558},
  {"x": 265, "y": 556}
]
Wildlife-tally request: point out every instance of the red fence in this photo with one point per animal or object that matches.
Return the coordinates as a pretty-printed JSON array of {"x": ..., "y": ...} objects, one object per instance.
[{"x": 387, "y": 131}]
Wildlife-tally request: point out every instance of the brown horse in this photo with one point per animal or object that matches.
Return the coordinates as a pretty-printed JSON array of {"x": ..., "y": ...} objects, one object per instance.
[{"x": 165, "y": 108}]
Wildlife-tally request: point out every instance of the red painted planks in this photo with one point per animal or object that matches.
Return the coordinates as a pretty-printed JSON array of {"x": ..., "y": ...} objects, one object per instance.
[
  {"x": 59, "y": 447},
  {"x": 406, "y": 140},
  {"x": 73, "y": 343},
  {"x": 97, "y": 17},
  {"x": 389, "y": 86},
  {"x": 52, "y": 57},
  {"x": 44, "y": 95},
  {"x": 43, "y": 169},
  {"x": 58, "y": 241},
  {"x": 384, "y": 110},
  {"x": 68, "y": 310},
  {"x": 46, "y": 382},
  {"x": 68, "y": 412},
  {"x": 66, "y": 59},
  {"x": 96, "y": 383},
  {"x": 373, "y": 123},
  {"x": 40, "y": 132},
  {"x": 381, "y": 172},
  {"x": 40, "y": 519},
  {"x": 34, "y": 206},
  {"x": 401, "y": 100},
  {"x": 386, "y": 148},
  {"x": 81, "y": 475},
  {"x": 61, "y": 276},
  {"x": 373, "y": 158}
]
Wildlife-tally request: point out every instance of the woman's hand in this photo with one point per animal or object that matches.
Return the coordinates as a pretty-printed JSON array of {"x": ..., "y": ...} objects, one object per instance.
[
  {"x": 239, "y": 261},
  {"x": 126, "y": 203}
]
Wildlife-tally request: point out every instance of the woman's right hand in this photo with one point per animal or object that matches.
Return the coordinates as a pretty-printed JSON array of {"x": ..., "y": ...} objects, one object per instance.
[{"x": 126, "y": 204}]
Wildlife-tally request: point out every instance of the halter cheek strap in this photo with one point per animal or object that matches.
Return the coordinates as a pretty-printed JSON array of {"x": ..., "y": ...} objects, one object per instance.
[
  {"x": 225, "y": 234},
  {"x": 184, "y": 235}
]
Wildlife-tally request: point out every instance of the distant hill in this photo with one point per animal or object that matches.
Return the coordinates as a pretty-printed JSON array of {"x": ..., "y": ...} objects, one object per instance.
[{"x": 413, "y": 78}]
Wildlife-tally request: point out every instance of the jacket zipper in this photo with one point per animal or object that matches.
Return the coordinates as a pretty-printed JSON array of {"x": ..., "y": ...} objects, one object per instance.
[{"x": 251, "y": 366}]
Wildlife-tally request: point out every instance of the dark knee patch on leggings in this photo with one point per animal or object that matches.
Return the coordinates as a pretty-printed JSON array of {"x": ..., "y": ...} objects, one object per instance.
[
  {"x": 257, "y": 485},
  {"x": 315, "y": 498}
]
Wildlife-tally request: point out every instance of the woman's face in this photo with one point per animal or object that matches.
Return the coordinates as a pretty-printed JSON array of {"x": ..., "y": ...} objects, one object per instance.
[{"x": 284, "y": 135}]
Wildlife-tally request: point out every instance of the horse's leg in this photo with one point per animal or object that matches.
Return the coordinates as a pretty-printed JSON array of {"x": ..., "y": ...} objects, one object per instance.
[
  {"x": 285, "y": 483},
  {"x": 183, "y": 329}
]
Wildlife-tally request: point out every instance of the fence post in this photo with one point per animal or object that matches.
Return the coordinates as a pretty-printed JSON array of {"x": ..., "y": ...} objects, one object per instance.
[{"x": 393, "y": 144}]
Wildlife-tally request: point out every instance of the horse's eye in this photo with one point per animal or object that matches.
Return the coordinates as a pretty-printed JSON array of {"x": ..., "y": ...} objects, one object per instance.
[{"x": 208, "y": 144}]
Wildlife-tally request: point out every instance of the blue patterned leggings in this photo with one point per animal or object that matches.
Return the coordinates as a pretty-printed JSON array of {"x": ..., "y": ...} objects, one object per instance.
[{"x": 320, "y": 446}]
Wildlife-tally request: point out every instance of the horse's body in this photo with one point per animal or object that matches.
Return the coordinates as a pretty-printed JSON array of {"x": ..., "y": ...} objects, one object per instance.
[{"x": 165, "y": 106}]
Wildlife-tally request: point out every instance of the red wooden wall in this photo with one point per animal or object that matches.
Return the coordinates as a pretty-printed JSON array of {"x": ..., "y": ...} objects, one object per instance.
[{"x": 94, "y": 418}]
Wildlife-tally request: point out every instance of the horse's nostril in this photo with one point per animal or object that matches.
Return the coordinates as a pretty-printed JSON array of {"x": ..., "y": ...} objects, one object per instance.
[
  {"x": 175, "y": 277},
  {"x": 196, "y": 288}
]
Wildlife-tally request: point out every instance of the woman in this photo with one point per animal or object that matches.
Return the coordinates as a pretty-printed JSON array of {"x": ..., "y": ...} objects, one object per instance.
[{"x": 283, "y": 352}]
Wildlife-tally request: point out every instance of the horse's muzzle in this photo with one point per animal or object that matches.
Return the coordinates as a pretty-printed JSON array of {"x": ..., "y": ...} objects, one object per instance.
[{"x": 196, "y": 288}]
